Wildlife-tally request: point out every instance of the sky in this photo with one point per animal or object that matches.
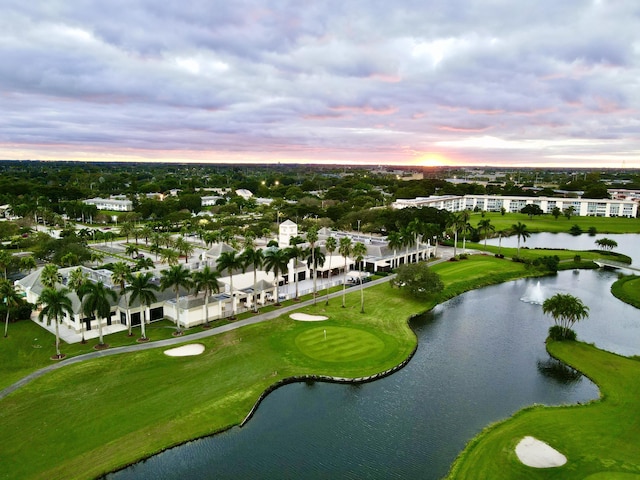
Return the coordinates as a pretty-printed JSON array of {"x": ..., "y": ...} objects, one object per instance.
[{"x": 426, "y": 82}]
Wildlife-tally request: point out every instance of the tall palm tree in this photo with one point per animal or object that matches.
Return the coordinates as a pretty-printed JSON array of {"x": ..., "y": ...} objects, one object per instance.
[
  {"x": 485, "y": 225},
  {"x": 520, "y": 229},
  {"x": 28, "y": 263},
  {"x": 120, "y": 275},
  {"x": 416, "y": 227},
  {"x": 141, "y": 287},
  {"x": 312, "y": 238},
  {"x": 464, "y": 217},
  {"x": 95, "y": 299},
  {"x": 176, "y": 277},
  {"x": 315, "y": 260},
  {"x": 276, "y": 260},
  {"x": 131, "y": 250},
  {"x": 55, "y": 304},
  {"x": 330, "y": 246},
  {"x": 359, "y": 252},
  {"x": 206, "y": 281},
  {"x": 146, "y": 232},
  {"x": 169, "y": 256},
  {"x": 6, "y": 259},
  {"x": 295, "y": 252},
  {"x": 394, "y": 241},
  {"x": 345, "y": 250},
  {"x": 10, "y": 298},
  {"x": 501, "y": 233},
  {"x": 255, "y": 258},
  {"x": 454, "y": 224},
  {"x": 230, "y": 261},
  {"x": 407, "y": 241},
  {"x": 50, "y": 276},
  {"x": 77, "y": 277}
]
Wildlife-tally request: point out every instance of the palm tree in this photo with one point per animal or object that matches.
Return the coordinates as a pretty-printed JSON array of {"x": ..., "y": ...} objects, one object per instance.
[
  {"x": 520, "y": 229},
  {"x": 120, "y": 275},
  {"x": 230, "y": 261},
  {"x": 140, "y": 286},
  {"x": 144, "y": 263},
  {"x": 77, "y": 277},
  {"x": 407, "y": 241},
  {"x": 315, "y": 259},
  {"x": 254, "y": 258},
  {"x": 276, "y": 261},
  {"x": 95, "y": 299},
  {"x": 28, "y": 263},
  {"x": 295, "y": 252},
  {"x": 96, "y": 257},
  {"x": 169, "y": 256},
  {"x": 185, "y": 248},
  {"x": 312, "y": 238},
  {"x": 345, "y": 251},
  {"x": 131, "y": 250},
  {"x": 454, "y": 225},
  {"x": 50, "y": 276},
  {"x": 55, "y": 304},
  {"x": 485, "y": 225},
  {"x": 394, "y": 241},
  {"x": 416, "y": 227},
  {"x": 11, "y": 300},
  {"x": 501, "y": 233},
  {"x": 175, "y": 277},
  {"x": 146, "y": 232},
  {"x": 6, "y": 259},
  {"x": 330, "y": 245},
  {"x": 359, "y": 252},
  {"x": 566, "y": 310},
  {"x": 127, "y": 229},
  {"x": 464, "y": 217},
  {"x": 206, "y": 281}
]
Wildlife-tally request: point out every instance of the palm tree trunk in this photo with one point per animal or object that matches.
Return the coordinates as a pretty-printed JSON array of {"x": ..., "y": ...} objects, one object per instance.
[
  {"x": 100, "y": 329},
  {"x": 455, "y": 243},
  {"x": 143, "y": 322},
  {"x": 255, "y": 289},
  {"x": 344, "y": 283},
  {"x": 328, "y": 284},
  {"x": 57, "y": 339},
  {"x": 206, "y": 308},
  {"x": 361, "y": 291},
  {"x": 315, "y": 273},
  {"x": 233, "y": 298},
  {"x": 6, "y": 323},
  {"x": 178, "y": 330}
]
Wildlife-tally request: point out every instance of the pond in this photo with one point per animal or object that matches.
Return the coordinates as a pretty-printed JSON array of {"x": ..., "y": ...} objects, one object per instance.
[
  {"x": 628, "y": 244},
  {"x": 481, "y": 357}
]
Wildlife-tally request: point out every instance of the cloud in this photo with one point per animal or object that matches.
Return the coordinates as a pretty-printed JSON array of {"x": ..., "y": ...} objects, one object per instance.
[{"x": 358, "y": 81}]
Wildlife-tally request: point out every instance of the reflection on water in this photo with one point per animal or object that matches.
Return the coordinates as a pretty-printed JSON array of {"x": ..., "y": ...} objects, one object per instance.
[
  {"x": 558, "y": 371},
  {"x": 480, "y": 358}
]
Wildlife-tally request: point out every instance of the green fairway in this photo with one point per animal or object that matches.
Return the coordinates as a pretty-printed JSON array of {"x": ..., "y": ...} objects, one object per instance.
[
  {"x": 600, "y": 439},
  {"x": 547, "y": 223}
]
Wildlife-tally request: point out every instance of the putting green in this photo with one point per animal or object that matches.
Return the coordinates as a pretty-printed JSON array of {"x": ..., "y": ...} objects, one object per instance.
[{"x": 341, "y": 344}]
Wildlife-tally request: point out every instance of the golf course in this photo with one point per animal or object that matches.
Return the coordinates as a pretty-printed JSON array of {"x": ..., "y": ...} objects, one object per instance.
[{"x": 87, "y": 419}]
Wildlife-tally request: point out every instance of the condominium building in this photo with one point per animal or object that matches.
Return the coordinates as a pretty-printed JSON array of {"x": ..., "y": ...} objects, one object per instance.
[{"x": 495, "y": 203}]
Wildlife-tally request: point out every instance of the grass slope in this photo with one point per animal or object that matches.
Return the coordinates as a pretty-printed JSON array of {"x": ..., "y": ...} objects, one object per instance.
[
  {"x": 627, "y": 289},
  {"x": 547, "y": 223},
  {"x": 600, "y": 439}
]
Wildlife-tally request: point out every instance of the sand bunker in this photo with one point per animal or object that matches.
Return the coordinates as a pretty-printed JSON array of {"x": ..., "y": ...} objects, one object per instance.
[
  {"x": 537, "y": 454},
  {"x": 185, "y": 350},
  {"x": 303, "y": 317}
]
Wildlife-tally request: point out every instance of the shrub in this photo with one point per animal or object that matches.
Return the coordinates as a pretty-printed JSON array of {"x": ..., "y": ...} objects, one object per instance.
[
  {"x": 575, "y": 230},
  {"x": 592, "y": 231},
  {"x": 577, "y": 258},
  {"x": 463, "y": 256},
  {"x": 549, "y": 263},
  {"x": 559, "y": 333}
]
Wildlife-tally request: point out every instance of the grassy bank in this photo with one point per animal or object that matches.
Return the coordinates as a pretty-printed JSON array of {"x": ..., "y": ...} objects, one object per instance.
[
  {"x": 599, "y": 439},
  {"x": 627, "y": 289},
  {"x": 547, "y": 223}
]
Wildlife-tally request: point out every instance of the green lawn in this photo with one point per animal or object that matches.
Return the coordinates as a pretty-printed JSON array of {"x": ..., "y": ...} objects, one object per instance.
[
  {"x": 547, "y": 223},
  {"x": 627, "y": 289},
  {"x": 600, "y": 439}
]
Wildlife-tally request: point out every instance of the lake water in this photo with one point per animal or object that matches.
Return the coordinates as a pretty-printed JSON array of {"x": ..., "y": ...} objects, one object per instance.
[
  {"x": 628, "y": 244},
  {"x": 481, "y": 357}
]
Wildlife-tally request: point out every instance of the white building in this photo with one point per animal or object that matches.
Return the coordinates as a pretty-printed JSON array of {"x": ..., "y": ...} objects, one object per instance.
[
  {"x": 495, "y": 203},
  {"x": 116, "y": 205}
]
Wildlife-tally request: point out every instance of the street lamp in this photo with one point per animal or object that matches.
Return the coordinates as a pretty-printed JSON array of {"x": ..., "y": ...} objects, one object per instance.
[{"x": 358, "y": 227}]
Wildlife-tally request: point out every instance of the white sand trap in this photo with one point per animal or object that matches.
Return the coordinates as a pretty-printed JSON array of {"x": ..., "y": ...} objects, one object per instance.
[
  {"x": 185, "y": 350},
  {"x": 303, "y": 317},
  {"x": 537, "y": 454}
]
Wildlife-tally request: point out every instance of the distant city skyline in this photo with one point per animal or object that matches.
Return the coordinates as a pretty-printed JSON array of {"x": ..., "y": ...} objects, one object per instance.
[{"x": 423, "y": 83}]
